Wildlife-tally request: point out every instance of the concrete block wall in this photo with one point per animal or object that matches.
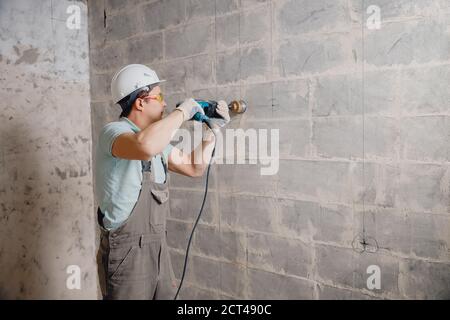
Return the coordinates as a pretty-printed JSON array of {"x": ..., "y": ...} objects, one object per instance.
[
  {"x": 364, "y": 120},
  {"x": 46, "y": 196}
]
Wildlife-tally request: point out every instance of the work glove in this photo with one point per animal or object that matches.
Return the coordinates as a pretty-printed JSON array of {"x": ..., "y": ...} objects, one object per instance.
[
  {"x": 222, "y": 111},
  {"x": 214, "y": 124},
  {"x": 190, "y": 107}
]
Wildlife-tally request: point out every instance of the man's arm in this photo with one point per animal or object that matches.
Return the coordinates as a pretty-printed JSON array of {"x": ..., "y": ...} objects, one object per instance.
[
  {"x": 148, "y": 142},
  {"x": 153, "y": 139},
  {"x": 193, "y": 164}
]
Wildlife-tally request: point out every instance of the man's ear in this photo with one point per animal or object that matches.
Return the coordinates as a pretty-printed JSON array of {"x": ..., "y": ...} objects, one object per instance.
[{"x": 138, "y": 104}]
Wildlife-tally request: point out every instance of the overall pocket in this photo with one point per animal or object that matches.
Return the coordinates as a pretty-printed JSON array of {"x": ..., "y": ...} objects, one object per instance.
[
  {"x": 120, "y": 259},
  {"x": 160, "y": 196},
  {"x": 158, "y": 210}
]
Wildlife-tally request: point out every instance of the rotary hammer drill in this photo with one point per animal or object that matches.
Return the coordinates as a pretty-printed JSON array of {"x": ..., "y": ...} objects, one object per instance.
[{"x": 210, "y": 106}]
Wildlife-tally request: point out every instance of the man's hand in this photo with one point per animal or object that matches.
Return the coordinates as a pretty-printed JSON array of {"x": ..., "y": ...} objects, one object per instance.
[
  {"x": 195, "y": 163},
  {"x": 221, "y": 110},
  {"x": 190, "y": 107},
  {"x": 215, "y": 124}
]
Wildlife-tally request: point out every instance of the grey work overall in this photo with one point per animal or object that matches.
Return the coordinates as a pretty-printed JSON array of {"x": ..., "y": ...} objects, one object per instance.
[{"x": 134, "y": 262}]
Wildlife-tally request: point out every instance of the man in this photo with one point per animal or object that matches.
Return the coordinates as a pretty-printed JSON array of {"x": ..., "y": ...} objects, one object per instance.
[{"x": 133, "y": 159}]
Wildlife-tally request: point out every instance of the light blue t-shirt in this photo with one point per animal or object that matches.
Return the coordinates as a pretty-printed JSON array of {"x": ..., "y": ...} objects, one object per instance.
[{"x": 118, "y": 181}]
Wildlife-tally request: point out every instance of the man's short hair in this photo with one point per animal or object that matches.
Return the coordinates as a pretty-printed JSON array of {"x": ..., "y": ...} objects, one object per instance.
[{"x": 127, "y": 103}]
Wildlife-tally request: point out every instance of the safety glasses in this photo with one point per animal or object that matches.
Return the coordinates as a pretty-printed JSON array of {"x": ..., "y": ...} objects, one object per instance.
[{"x": 159, "y": 97}]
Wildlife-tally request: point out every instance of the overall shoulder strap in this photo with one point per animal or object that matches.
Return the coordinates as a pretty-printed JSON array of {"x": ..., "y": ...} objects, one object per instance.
[{"x": 146, "y": 165}]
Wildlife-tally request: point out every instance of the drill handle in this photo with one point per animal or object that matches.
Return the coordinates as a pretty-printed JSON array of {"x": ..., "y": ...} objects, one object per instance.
[{"x": 200, "y": 117}]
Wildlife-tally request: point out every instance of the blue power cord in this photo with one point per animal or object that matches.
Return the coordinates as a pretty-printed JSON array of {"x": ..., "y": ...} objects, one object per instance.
[{"x": 198, "y": 217}]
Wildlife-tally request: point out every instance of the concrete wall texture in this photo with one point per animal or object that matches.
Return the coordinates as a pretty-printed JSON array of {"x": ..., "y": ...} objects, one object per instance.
[
  {"x": 46, "y": 196},
  {"x": 364, "y": 120}
]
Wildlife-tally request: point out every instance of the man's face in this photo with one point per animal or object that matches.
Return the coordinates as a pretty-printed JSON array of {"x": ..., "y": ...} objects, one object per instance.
[{"x": 152, "y": 108}]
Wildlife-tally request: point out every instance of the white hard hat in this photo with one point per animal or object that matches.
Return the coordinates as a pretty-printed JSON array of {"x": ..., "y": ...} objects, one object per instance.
[{"x": 130, "y": 78}]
